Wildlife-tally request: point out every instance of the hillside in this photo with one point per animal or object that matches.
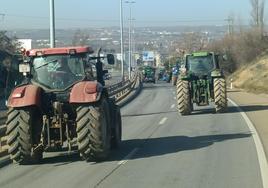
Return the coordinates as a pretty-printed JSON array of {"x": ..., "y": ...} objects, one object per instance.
[{"x": 253, "y": 77}]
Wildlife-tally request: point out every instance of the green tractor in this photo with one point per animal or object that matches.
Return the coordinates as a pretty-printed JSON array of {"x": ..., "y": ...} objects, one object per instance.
[
  {"x": 201, "y": 81},
  {"x": 149, "y": 74}
]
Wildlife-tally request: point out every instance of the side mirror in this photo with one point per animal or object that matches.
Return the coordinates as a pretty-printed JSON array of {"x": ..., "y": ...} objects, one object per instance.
[
  {"x": 110, "y": 59},
  {"x": 24, "y": 68},
  {"x": 104, "y": 71}
]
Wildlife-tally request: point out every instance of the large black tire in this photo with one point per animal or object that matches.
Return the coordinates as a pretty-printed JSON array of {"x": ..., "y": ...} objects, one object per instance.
[
  {"x": 183, "y": 97},
  {"x": 20, "y": 136},
  {"x": 93, "y": 131},
  {"x": 117, "y": 129},
  {"x": 220, "y": 95}
]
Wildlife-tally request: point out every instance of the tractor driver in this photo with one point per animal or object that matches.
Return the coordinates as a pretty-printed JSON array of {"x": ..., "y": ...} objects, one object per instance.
[
  {"x": 63, "y": 65},
  {"x": 63, "y": 72}
]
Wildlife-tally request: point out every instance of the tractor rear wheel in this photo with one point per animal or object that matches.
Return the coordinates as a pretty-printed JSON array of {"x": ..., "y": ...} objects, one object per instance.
[
  {"x": 220, "y": 95},
  {"x": 20, "y": 136},
  {"x": 93, "y": 131},
  {"x": 183, "y": 97}
]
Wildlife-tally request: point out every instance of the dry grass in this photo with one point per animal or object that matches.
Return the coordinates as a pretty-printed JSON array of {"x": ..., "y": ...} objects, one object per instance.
[{"x": 253, "y": 77}]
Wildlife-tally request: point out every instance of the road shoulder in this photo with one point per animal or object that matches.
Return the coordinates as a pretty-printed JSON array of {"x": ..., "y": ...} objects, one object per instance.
[{"x": 256, "y": 108}]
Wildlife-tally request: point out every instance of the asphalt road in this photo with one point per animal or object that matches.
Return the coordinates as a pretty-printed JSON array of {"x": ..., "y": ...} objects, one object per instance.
[{"x": 159, "y": 149}]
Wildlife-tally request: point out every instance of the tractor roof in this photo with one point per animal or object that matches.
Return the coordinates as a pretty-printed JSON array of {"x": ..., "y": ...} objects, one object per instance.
[
  {"x": 63, "y": 50},
  {"x": 200, "y": 54}
]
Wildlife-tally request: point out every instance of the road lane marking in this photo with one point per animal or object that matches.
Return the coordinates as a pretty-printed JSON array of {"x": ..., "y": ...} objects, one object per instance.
[
  {"x": 175, "y": 98},
  {"x": 259, "y": 147},
  {"x": 172, "y": 106},
  {"x": 119, "y": 164},
  {"x": 173, "y": 92},
  {"x": 163, "y": 120},
  {"x": 128, "y": 157}
]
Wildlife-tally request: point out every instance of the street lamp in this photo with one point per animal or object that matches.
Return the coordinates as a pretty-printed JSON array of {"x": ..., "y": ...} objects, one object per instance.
[
  {"x": 130, "y": 38},
  {"x": 52, "y": 24},
  {"x": 122, "y": 42}
]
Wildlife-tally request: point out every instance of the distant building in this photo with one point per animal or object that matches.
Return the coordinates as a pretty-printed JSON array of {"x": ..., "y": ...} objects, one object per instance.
[
  {"x": 26, "y": 43},
  {"x": 158, "y": 60}
]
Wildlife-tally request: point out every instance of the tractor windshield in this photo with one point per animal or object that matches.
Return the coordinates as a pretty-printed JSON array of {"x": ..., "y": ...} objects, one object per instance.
[
  {"x": 58, "y": 71},
  {"x": 200, "y": 64}
]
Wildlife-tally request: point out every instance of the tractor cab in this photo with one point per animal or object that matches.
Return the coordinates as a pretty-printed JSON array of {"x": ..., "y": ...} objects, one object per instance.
[
  {"x": 201, "y": 63},
  {"x": 61, "y": 68}
]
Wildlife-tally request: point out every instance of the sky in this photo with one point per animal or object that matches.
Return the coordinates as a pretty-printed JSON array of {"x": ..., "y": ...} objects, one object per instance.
[{"x": 101, "y": 13}]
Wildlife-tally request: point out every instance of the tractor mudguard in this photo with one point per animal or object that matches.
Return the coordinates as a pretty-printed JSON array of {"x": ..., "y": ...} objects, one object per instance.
[
  {"x": 86, "y": 92},
  {"x": 27, "y": 95}
]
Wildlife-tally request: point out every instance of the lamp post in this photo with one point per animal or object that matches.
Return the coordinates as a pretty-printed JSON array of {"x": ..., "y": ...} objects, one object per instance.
[
  {"x": 122, "y": 38},
  {"x": 52, "y": 24},
  {"x": 130, "y": 38}
]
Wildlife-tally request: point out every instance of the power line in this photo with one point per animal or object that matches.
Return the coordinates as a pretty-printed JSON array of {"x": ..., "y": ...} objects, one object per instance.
[
  {"x": 116, "y": 21},
  {"x": 60, "y": 19}
]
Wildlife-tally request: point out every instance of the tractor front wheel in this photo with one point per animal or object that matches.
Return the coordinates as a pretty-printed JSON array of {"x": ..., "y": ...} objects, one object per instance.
[
  {"x": 183, "y": 97},
  {"x": 220, "y": 95}
]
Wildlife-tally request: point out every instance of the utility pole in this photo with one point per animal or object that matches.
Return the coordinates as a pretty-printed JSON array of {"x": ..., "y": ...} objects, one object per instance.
[
  {"x": 130, "y": 38},
  {"x": 133, "y": 44},
  {"x": 52, "y": 24},
  {"x": 122, "y": 39},
  {"x": 230, "y": 21}
]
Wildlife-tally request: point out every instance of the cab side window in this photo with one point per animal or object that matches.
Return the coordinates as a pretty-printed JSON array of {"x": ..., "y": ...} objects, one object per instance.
[{"x": 90, "y": 70}]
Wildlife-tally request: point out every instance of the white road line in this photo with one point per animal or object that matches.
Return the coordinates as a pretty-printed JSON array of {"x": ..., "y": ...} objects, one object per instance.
[
  {"x": 174, "y": 92},
  {"x": 128, "y": 157},
  {"x": 175, "y": 98},
  {"x": 172, "y": 106},
  {"x": 259, "y": 147},
  {"x": 163, "y": 120}
]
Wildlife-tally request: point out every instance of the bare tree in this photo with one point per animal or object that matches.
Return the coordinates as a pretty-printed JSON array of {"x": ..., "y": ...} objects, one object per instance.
[
  {"x": 257, "y": 14},
  {"x": 192, "y": 42},
  {"x": 8, "y": 44},
  {"x": 262, "y": 6}
]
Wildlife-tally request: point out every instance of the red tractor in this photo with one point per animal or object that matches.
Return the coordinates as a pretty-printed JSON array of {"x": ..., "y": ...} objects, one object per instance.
[{"x": 62, "y": 103}]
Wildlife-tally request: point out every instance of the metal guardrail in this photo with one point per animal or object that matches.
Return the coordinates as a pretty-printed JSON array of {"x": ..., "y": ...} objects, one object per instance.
[
  {"x": 122, "y": 89},
  {"x": 119, "y": 91}
]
